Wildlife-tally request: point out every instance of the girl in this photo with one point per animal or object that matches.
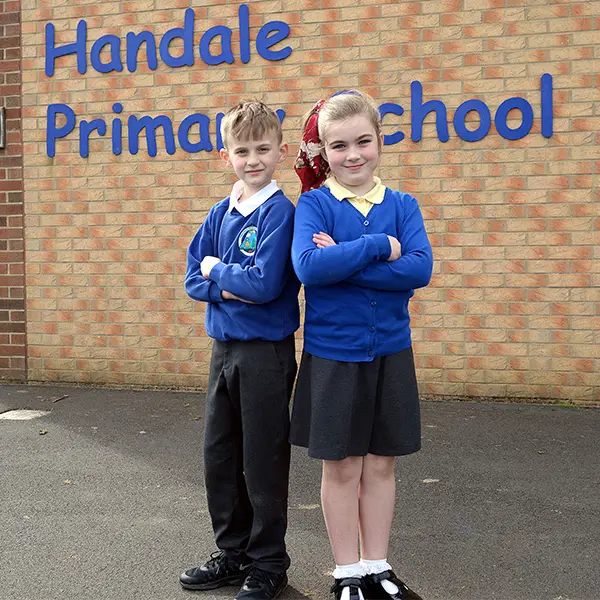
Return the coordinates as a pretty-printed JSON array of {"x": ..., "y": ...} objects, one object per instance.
[{"x": 360, "y": 249}]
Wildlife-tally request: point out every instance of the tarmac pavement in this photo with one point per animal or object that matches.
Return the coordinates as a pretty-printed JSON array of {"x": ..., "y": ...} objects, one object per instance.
[{"x": 102, "y": 498}]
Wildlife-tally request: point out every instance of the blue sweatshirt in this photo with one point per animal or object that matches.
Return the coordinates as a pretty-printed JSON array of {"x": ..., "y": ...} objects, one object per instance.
[
  {"x": 356, "y": 301},
  {"x": 256, "y": 266}
]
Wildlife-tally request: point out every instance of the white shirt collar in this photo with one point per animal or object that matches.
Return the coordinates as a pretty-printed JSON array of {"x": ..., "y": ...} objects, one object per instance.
[{"x": 248, "y": 206}]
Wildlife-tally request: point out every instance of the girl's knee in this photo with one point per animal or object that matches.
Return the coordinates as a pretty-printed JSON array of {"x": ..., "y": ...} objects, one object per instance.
[
  {"x": 344, "y": 471},
  {"x": 378, "y": 467}
]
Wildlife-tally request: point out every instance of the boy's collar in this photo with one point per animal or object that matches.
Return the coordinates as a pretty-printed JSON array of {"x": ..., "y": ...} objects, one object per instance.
[
  {"x": 374, "y": 195},
  {"x": 248, "y": 206}
]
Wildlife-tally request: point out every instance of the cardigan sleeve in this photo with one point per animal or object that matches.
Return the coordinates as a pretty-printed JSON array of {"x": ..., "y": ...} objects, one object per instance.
[
  {"x": 327, "y": 266},
  {"x": 414, "y": 267}
]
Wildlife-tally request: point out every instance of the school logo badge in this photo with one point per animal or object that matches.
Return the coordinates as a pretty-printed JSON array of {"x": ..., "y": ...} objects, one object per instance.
[{"x": 248, "y": 240}]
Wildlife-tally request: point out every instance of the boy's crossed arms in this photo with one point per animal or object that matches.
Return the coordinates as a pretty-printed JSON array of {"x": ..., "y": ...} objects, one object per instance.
[{"x": 210, "y": 279}]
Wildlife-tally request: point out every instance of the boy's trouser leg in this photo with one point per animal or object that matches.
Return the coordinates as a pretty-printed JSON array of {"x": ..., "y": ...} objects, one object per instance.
[
  {"x": 228, "y": 504},
  {"x": 264, "y": 374}
]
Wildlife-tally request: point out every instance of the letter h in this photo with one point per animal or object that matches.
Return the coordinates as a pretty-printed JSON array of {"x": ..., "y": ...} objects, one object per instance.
[{"x": 78, "y": 47}]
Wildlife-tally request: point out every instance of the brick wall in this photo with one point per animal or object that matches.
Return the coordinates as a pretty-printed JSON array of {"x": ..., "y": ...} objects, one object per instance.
[
  {"x": 513, "y": 307},
  {"x": 12, "y": 279}
]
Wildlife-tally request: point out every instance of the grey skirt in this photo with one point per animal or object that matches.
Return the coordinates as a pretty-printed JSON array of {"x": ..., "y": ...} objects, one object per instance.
[{"x": 346, "y": 409}]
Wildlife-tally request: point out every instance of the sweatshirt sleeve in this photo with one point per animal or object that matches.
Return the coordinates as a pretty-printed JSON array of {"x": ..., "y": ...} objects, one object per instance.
[
  {"x": 265, "y": 279},
  {"x": 327, "y": 266},
  {"x": 197, "y": 286},
  {"x": 414, "y": 267}
]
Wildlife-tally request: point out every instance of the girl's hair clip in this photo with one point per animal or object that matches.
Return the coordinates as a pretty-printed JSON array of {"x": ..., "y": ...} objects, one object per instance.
[{"x": 353, "y": 92}]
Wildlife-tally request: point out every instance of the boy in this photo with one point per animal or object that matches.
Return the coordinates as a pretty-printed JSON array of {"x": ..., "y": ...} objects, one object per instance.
[{"x": 239, "y": 263}]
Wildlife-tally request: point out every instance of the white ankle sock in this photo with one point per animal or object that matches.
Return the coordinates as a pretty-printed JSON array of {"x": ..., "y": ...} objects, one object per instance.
[
  {"x": 344, "y": 571},
  {"x": 373, "y": 567}
]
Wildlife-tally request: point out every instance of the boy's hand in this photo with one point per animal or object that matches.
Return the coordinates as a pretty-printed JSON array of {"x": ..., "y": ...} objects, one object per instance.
[
  {"x": 208, "y": 262},
  {"x": 322, "y": 240},
  {"x": 396, "y": 250},
  {"x": 229, "y": 296}
]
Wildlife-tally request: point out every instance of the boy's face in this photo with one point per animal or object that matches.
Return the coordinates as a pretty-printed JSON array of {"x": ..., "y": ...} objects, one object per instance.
[{"x": 254, "y": 161}]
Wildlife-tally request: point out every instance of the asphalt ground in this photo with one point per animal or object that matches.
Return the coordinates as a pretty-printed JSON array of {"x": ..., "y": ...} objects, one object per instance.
[{"x": 102, "y": 498}]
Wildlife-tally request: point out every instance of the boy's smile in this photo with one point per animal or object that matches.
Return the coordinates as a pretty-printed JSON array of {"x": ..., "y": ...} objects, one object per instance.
[{"x": 254, "y": 161}]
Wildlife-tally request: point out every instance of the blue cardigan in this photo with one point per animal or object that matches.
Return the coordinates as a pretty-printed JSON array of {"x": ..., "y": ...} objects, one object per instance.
[
  {"x": 356, "y": 301},
  {"x": 256, "y": 266}
]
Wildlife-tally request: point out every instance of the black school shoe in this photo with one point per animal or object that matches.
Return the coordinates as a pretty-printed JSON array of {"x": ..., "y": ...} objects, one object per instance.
[
  {"x": 262, "y": 585},
  {"x": 354, "y": 583},
  {"x": 375, "y": 591},
  {"x": 218, "y": 571}
]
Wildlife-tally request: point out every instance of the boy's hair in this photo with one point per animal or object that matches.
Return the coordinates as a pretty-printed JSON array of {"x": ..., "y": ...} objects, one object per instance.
[
  {"x": 347, "y": 104},
  {"x": 250, "y": 120}
]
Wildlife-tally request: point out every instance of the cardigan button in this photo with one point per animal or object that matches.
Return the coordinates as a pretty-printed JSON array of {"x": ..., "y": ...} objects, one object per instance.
[
  {"x": 373, "y": 303},
  {"x": 371, "y": 329},
  {"x": 366, "y": 223}
]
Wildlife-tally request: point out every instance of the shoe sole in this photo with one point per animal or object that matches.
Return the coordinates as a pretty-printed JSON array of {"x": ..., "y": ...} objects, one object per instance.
[
  {"x": 213, "y": 585},
  {"x": 280, "y": 591}
]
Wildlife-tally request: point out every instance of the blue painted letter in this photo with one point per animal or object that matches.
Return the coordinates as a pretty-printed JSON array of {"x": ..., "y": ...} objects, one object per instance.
[
  {"x": 394, "y": 109},
  {"x": 136, "y": 125},
  {"x": 244, "y": 33},
  {"x": 547, "y": 105},
  {"x": 226, "y": 54},
  {"x": 502, "y": 114},
  {"x": 85, "y": 129},
  {"x": 117, "y": 130},
  {"x": 134, "y": 41},
  {"x": 78, "y": 47},
  {"x": 265, "y": 40},
  {"x": 218, "y": 120},
  {"x": 485, "y": 121},
  {"x": 54, "y": 132},
  {"x": 115, "y": 63},
  {"x": 184, "y": 131},
  {"x": 419, "y": 111},
  {"x": 186, "y": 33}
]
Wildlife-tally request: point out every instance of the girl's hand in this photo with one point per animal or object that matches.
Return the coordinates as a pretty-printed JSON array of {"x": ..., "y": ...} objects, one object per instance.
[
  {"x": 229, "y": 296},
  {"x": 322, "y": 240},
  {"x": 396, "y": 250}
]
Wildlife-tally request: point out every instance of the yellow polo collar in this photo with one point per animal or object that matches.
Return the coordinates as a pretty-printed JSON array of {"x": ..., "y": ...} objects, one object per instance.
[{"x": 374, "y": 196}]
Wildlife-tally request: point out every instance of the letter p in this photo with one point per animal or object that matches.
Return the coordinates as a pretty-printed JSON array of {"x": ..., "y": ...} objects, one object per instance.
[{"x": 52, "y": 131}]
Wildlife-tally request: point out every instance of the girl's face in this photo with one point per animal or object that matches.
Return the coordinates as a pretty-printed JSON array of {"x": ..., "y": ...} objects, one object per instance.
[{"x": 352, "y": 151}]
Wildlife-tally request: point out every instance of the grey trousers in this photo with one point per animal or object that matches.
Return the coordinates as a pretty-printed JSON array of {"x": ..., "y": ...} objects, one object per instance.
[{"x": 246, "y": 448}]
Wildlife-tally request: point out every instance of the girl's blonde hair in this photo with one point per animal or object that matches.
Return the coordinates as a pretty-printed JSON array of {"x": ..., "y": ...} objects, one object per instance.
[{"x": 345, "y": 105}]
